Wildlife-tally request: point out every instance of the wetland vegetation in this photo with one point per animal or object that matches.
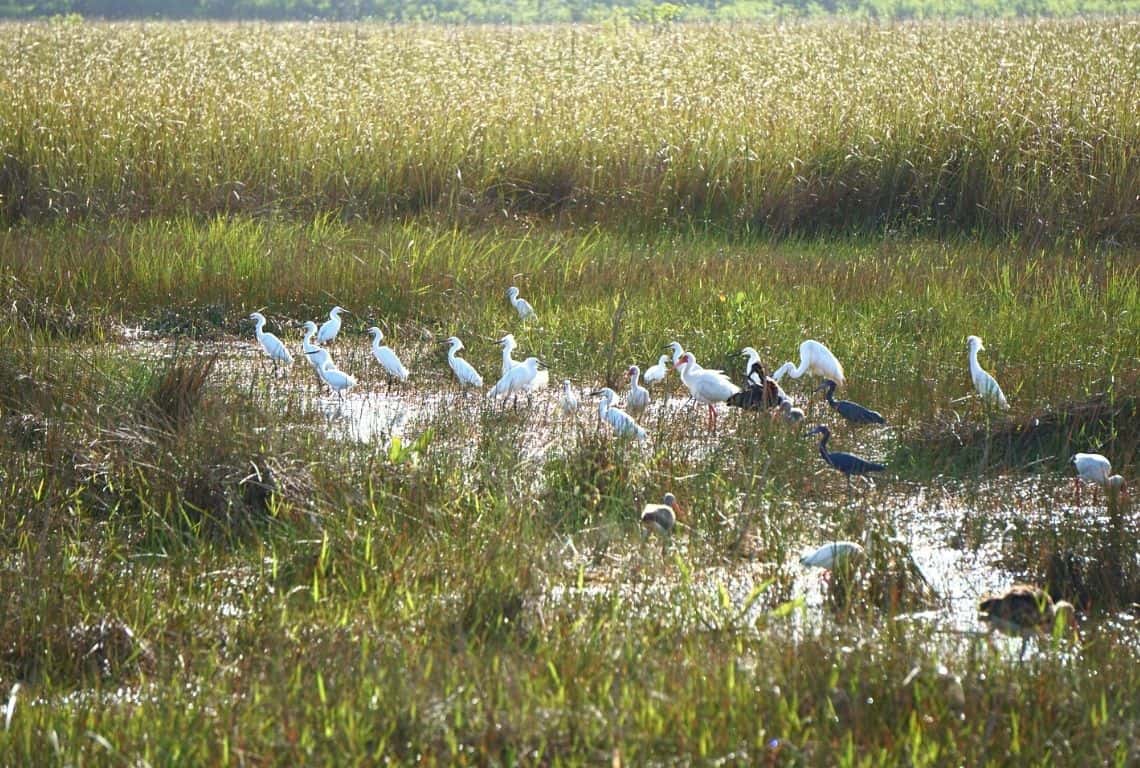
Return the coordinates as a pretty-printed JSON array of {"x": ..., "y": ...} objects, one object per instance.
[{"x": 205, "y": 563}]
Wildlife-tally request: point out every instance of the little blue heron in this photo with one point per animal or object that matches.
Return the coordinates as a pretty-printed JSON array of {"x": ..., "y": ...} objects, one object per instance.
[
  {"x": 846, "y": 463},
  {"x": 853, "y": 412}
]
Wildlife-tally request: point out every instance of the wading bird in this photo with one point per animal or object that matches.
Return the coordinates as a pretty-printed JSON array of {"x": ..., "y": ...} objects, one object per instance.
[
  {"x": 331, "y": 327},
  {"x": 509, "y": 344},
  {"x": 762, "y": 394},
  {"x": 522, "y": 306},
  {"x": 568, "y": 402},
  {"x": 678, "y": 351},
  {"x": 637, "y": 399},
  {"x": 387, "y": 358},
  {"x": 790, "y": 412},
  {"x": 656, "y": 372},
  {"x": 986, "y": 384},
  {"x": 270, "y": 343},
  {"x": 316, "y": 355},
  {"x": 621, "y": 422},
  {"x": 339, "y": 381},
  {"x": 853, "y": 412},
  {"x": 464, "y": 371},
  {"x": 1095, "y": 468},
  {"x": 834, "y": 555},
  {"x": 814, "y": 358},
  {"x": 520, "y": 378},
  {"x": 661, "y": 519},
  {"x": 1024, "y": 610},
  {"x": 705, "y": 385},
  {"x": 846, "y": 463}
]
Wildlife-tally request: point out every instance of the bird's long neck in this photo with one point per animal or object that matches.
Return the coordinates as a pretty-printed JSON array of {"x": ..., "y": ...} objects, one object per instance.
[
  {"x": 453, "y": 350},
  {"x": 975, "y": 366},
  {"x": 508, "y": 362},
  {"x": 259, "y": 327},
  {"x": 634, "y": 378},
  {"x": 677, "y": 352},
  {"x": 831, "y": 395},
  {"x": 823, "y": 438}
]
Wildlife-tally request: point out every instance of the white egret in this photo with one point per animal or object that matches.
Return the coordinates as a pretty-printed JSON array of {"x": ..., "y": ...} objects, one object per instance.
[
  {"x": 316, "y": 355},
  {"x": 705, "y": 385},
  {"x": 270, "y": 343},
  {"x": 1095, "y": 468},
  {"x": 386, "y": 357},
  {"x": 509, "y": 344},
  {"x": 568, "y": 402},
  {"x": 661, "y": 519},
  {"x": 338, "y": 380},
  {"x": 464, "y": 371},
  {"x": 522, "y": 306},
  {"x": 331, "y": 327},
  {"x": 986, "y": 384},
  {"x": 520, "y": 378},
  {"x": 1024, "y": 610},
  {"x": 814, "y": 358},
  {"x": 678, "y": 351},
  {"x": 621, "y": 422},
  {"x": 834, "y": 555},
  {"x": 637, "y": 399},
  {"x": 656, "y": 372}
]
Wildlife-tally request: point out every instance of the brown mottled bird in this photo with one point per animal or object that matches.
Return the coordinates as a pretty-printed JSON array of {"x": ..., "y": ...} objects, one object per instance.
[
  {"x": 661, "y": 518},
  {"x": 1024, "y": 610}
]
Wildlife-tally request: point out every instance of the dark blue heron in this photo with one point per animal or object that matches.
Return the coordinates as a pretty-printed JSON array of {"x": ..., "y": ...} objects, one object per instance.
[
  {"x": 846, "y": 463},
  {"x": 853, "y": 412}
]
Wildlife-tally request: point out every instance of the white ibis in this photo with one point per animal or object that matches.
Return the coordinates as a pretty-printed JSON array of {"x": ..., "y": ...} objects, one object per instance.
[
  {"x": 464, "y": 371},
  {"x": 1095, "y": 468},
  {"x": 621, "y": 422},
  {"x": 853, "y": 412},
  {"x": 637, "y": 399},
  {"x": 834, "y": 555},
  {"x": 316, "y": 355},
  {"x": 270, "y": 343},
  {"x": 568, "y": 402},
  {"x": 520, "y": 378},
  {"x": 814, "y": 358},
  {"x": 656, "y": 372},
  {"x": 331, "y": 327},
  {"x": 386, "y": 357},
  {"x": 705, "y": 385},
  {"x": 339, "y": 381},
  {"x": 509, "y": 344},
  {"x": 522, "y": 306},
  {"x": 986, "y": 384},
  {"x": 1025, "y": 610}
]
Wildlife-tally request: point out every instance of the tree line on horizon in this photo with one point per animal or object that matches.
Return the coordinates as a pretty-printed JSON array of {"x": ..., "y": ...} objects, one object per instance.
[{"x": 545, "y": 11}]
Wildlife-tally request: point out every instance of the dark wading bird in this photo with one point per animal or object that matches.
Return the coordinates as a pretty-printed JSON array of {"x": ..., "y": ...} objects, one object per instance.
[
  {"x": 853, "y": 412},
  {"x": 846, "y": 463},
  {"x": 661, "y": 519},
  {"x": 1024, "y": 610},
  {"x": 763, "y": 392}
]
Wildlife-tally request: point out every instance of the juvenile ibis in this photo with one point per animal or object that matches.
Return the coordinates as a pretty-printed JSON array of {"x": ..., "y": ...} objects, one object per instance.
[
  {"x": 1025, "y": 610},
  {"x": 522, "y": 306},
  {"x": 331, "y": 327},
  {"x": 386, "y": 357},
  {"x": 853, "y": 412},
  {"x": 705, "y": 385},
  {"x": 984, "y": 383},
  {"x": 637, "y": 399},
  {"x": 621, "y": 422},
  {"x": 661, "y": 519},
  {"x": 814, "y": 358},
  {"x": 272, "y": 345},
  {"x": 846, "y": 463},
  {"x": 463, "y": 370}
]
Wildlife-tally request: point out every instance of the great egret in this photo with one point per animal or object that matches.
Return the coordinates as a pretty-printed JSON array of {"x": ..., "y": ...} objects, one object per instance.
[
  {"x": 522, "y": 306},
  {"x": 853, "y": 412},
  {"x": 1025, "y": 610},
  {"x": 846, "y": 463},
  {"x": 621, "y": 422},
  {"x": 705, "y": 385},
  {"x": 637, "y": 399},
  {"x": 509, "y": 344},
  {"x": 386, "y": 357},
  {"x": 1095, "y": 468},
  {"x": 331, "y": 327},
  {"x": 464, "y": 371},
  {"x": 270, "y": 343},
  {"x": 316, "y": 355},
  {"x": 568, "y": 402},
  {"x": 338, "y": 380},
  {"x": 814, "y": 358},
  {"x": 520, "y": 378},
  {"x": 661, "y": 519},
  {"x": 656, "y": 372},
  {"x": 986, "y": 384},
  {"x": 834, "y": 555}
]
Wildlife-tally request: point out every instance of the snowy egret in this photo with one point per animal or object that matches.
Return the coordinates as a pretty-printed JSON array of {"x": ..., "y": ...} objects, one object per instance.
[
  {"x": 986, "y": 384},
  {"x": 1025, "y": 610},
  {"x": 338, "y": 380},
  {"x": 846, "y": 463},
  {"x": 790, "y": 412},
  {"x": 678, "y": 351},
  {"x": 1095, "y": 468},
  {"x": 464, "y": 371},
  {"x": 331, "y": 327},
  {"x": 522, "y": 306},
  {"x": 661, "y": 519},
  {"x": 637, "y": 399},
  {"x": 270, "y": 343},
  {"x": 316, "y": 355},
  {"x": 386, "y": 357},
  {"x": 655, "y": 373},
  {"x": 705, "y": 385},
  {"x": 568, "y": 402},
  {"x": 834, "y": 555},
  {"x": 509, "y": 344},
  {"x": 853, "y": 412},
  {"x": 622, "y": 423},
  {"x": 814, "y": 358},
  {"x": 762, "y": 393},
  {"x": 520, "y": 378}
]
